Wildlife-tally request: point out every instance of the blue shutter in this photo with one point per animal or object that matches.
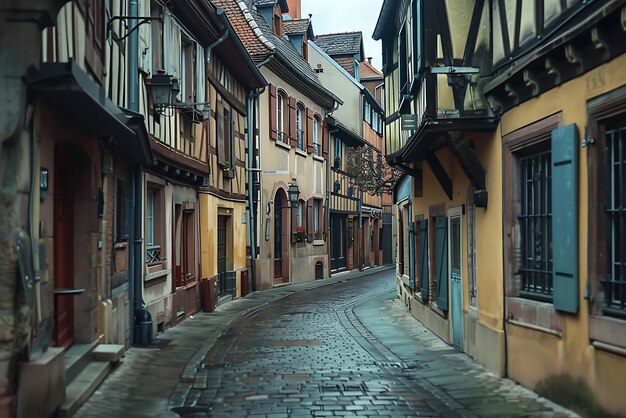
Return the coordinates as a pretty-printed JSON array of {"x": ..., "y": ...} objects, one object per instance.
[
  {"x": 423, "y": 227},
  {"x": 565, "y": 218},
  {"x": 441, "y": 248}
]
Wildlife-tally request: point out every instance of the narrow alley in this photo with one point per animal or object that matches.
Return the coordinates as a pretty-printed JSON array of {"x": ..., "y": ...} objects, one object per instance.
[{"x": 337, "y": 347}]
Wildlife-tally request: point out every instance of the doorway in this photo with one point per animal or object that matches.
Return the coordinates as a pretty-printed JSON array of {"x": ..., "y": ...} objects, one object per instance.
[
  {"x": 64, "y": 182},
  {"x": 338, "y": 242},
  {"x": 281, "y": 245},
  {"x": 221, "y": 252},
  {"x": 456, "y": 285}
]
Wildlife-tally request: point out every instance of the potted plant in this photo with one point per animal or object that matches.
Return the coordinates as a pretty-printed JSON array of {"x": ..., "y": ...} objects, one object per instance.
[
  {"x": 300, "y": 234},
  {"x": 226, "y": 165},
  {"x": 337, "y": 162},
  {"x": 337, "y": 186}
]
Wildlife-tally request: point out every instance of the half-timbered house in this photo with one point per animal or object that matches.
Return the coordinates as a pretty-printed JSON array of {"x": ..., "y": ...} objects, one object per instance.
[
  {"x": 508, "y": 117},
  {"x": 195, "y": 209}
]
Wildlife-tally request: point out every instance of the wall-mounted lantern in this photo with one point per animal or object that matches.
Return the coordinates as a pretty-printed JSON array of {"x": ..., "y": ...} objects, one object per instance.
[
  {"x": 294, "y": 194},
  {"x": 164, "y": 90}
]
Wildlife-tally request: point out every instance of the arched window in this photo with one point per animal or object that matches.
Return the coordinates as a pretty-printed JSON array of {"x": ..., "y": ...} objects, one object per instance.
[
  {"x": 300, "y": 115},
  {"x": 280, "y": 120},
  {"x": 317, "y": 127}
]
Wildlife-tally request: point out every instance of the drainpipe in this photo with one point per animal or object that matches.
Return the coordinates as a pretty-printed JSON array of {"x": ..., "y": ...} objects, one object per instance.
[
  {"x": 135, "y": 265},
  {"x": 219, "y": 40},
  {"x": 250, "y": 166},
  {"x": 361, "y": 234}
]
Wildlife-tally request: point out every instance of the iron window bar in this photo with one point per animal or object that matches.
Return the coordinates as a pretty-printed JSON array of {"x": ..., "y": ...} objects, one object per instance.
[
  {"x": 536, "y": 226},
  {"x": 614, "y": 283},
  {"x": 300, "y": 139}
]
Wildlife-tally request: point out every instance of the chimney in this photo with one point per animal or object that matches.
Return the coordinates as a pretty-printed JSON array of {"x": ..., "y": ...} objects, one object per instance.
[
  {"x": 369, "y": 60},
  {"x": 295, "y": 8}
]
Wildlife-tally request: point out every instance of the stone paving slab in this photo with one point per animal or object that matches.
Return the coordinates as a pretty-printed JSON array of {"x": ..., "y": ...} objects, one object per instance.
[{"x": 337, "y": 347}]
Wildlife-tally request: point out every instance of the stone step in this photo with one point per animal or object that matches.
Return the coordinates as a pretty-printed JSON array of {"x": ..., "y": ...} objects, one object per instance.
[
  {"x": 81, "y": 388},
  {"x": 77, "y": 357},
  {"x": 108, "y": 352}
]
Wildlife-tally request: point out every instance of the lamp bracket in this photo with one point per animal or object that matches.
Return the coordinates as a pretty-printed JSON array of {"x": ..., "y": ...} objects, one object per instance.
[{"x": 142, "y": 20}]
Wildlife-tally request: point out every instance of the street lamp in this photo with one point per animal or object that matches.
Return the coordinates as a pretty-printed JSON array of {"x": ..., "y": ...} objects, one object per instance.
[
  {"x": 294, "y": 194},
  {"x": 161, "y": 88}
]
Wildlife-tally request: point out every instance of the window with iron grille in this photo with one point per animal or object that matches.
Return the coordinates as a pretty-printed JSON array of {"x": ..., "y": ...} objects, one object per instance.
[
  {"x": 535, "y": 223},
  {"x": 614, "y": 282}
]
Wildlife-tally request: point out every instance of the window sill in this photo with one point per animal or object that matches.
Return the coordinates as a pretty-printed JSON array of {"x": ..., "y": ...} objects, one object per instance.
[
  {"x": 607, "y": 331},
  {"x": 301, "y": 153},
  {"x": 156, "y": 277},
  {"x": 318, "y": 242},
  {"x": 121, "y": 245},
  {"x": 282, "y": 145},
  {"x": 539, "y": 316},
  {"x": 318, "y": 158}
]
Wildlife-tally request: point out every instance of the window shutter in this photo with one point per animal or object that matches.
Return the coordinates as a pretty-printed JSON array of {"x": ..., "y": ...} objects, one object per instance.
[
  {"x": 219, "y": 134},
  {"x": 565, "y": 217},
  {"x": 321, "y": 221},
  {"x": 294, "y": 222},
  {"x": 308, "y": 139},
  {"x": 325, "y": 139},
  {"x": 292, "y": 122},
  {"x": 423, "y": 254},
  {"x": 441, "y": 251},
  {"x": 273, "y": 127},
  {"x": 309, "y": 219}
]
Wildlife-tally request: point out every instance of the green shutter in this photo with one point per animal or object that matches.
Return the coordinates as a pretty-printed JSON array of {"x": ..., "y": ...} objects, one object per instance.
[
  {"x": 565, "y": 218},
  {"x": 441, "y": 248},
  {"x": 423, "y": 226}
]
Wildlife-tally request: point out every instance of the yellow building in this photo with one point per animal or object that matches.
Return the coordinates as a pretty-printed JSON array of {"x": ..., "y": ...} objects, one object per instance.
[{"x": 508, "y": 123}]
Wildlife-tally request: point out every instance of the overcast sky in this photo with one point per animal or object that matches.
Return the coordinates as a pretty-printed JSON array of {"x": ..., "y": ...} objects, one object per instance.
[{"x": 332, "y": 16}]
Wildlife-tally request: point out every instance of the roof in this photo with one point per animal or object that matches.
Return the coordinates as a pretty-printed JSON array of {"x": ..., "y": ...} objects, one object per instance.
[
  {"x": 337, "y": 66},
  {"x": 368, "y": 71},
  {"x": 346, "y": 43},
  {"x": 247, "y": 30},
  {"x": 347, "y": 135},
  {"x": 282, "y": 45},
  {"x": 296, "y": 26},
  {"x": 385, "y": 18}
]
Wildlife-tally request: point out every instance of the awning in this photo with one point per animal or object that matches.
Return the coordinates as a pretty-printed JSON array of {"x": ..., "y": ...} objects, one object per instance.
[{"x": 70, "y": 91}]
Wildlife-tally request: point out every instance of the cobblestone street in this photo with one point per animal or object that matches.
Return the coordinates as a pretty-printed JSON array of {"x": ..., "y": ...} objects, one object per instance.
[{"x": 340, "y": 347}]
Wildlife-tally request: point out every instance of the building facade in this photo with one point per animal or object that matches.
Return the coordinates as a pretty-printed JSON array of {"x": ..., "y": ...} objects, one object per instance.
[
  {"x": 510, "y": 131},
  {"x": 290, "y": 149}
]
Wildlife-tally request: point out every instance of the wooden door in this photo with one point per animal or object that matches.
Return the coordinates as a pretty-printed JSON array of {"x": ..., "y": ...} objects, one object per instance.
[
  {"x": 63, "y": 247},
  {"x": 189, "y": 246},
  {"x": 278, "y": 237},
  {"x": 456, "y": 287},
  {"x": 221, "y": 252}
]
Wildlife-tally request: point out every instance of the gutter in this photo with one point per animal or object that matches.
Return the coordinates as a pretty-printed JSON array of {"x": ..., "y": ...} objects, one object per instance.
[{"x": 254, "y": 69}]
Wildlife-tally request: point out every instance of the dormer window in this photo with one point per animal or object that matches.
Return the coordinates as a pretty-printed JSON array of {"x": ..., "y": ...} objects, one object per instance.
[{"x": 277, "y": 22}]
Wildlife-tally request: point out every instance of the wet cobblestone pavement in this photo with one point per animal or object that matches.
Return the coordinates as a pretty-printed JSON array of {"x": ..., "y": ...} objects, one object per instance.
[{"x": 347, "y": 349}]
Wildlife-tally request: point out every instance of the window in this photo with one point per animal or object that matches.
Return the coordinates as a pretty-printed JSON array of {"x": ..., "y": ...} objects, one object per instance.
[
  {"x": 535, "y": 222},
  {"x": 316, "y": 136},
  {"x": 316, "y": 218},
  {"x": 278, "y": 22},
  {"x": 357, "y": 72},
  {"x": 156, "y": 28},
  {"x": 280, "y": 118},
  {"x": 299, "y": 131},
  {"x": 367, "y": 112},
  {"x": 614, "y": 283},
  {"x": 225, "y": 78},
  {"x": 154, "y": 225},
  {"x": 188, "y": 70},
  {"x": 225, "y": 137},
  {"x": 338, "y": 163},
  {"x": 300, "y": 214}
]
